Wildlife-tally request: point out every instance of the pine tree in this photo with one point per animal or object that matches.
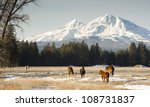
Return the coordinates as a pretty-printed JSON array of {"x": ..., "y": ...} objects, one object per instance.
[
  {"x": 84, "y": 54},
  {"x": 105, "y": 57},
  {"x": 132, "y": 54},
  {"x": 10, "y": 47},
  {"x": 28, "y": 53},
  {"x": 112, "y": 58},
  {"x": 142, "y": 56},
  {"x": 45, "y": 55},
  {"x": 33, "y": 53},
  {"x": 95, "y": 54},
  {"x": 122, "y": 58},
  {"x": 2, "y": 53}
]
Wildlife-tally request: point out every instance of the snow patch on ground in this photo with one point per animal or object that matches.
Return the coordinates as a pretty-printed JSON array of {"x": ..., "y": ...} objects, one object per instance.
[
  {"x": 97, "y": 79},
  {"x": 117, "y": 79},
  {"x": 58, "y": 79},
  {"x": 139, "y": 78},
  {"x": 134, "y": 87},
  {"x": 10, "y": 77},
  {"x": 112, "y": 79},
  {"x": 13, "y": 77},
  {"x": 85, "y": 79}
]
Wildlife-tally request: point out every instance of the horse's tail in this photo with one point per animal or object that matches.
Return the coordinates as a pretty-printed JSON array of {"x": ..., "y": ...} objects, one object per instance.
[
  {"x": 113, "y": 69},
  {"x": 112, "y": 72}
]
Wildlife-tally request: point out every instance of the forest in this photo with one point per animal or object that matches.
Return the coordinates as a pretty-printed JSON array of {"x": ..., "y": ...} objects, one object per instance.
[{"x": 79, "y": 54}]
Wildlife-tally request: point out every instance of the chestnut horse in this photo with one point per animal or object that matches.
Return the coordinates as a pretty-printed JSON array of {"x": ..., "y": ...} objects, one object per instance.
[
  {"x": 70, "y": 71},
  {"x": 110, "y": 69},
  {"x": 104, "y": 75}
]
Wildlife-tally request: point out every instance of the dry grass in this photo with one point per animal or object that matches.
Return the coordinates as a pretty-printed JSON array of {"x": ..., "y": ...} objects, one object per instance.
[
  {"x": 41, "y": 84},
  {"x": 34, "y": 78},
  {"x": 9, "y": 85},
  {"x": 23, "y": 84}
]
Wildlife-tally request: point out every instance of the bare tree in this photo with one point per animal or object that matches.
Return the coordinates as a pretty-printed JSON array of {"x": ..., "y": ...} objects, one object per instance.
[{"x": 9, "y": 13}]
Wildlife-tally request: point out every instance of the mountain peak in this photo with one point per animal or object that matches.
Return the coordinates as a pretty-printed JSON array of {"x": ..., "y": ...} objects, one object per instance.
[
  {"x": 109, "y": 19},
  {"x": 102, "y": 24},
  {"x": 108, "y": 15},
  {"x": 74, "y": 24}
]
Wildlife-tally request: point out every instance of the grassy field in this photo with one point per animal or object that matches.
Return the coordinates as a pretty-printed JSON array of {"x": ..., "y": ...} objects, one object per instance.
[{"x": 56, "y": 78}]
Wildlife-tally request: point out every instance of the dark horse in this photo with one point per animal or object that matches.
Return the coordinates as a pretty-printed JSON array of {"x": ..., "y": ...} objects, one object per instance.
[
  {"x": 70, "y": 71},
  {"x": 110, "y": 69},
  {"x": 82, "y": 71},
  {"x": 104, "y": 75}
]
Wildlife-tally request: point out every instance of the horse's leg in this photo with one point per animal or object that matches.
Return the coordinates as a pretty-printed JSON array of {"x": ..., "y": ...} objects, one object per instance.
[
  {"x": 103, "y": 79},
  {"x": 107, "y": 80}
]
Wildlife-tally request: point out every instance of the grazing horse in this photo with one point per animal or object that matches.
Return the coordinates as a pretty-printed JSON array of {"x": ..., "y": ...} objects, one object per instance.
[
  {"x": 26, "y": 67},
  {"x": 70, "y": 71},
  {"x": 82, "y": 71},
  {"x": 110, "y": 69},
  {"x": 104, "y": 75}
]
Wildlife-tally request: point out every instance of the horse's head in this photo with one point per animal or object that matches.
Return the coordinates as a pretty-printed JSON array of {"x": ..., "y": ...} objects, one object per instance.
[
  {"x": 83, "y": 67},
  {"x": 100, "y": 72}
]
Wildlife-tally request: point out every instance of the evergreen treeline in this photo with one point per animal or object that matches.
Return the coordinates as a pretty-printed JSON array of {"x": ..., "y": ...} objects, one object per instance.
[
  {"x": 79, "y": 54},
  {"x": 75, "y": 53},
  {"x": 27, "y": 53}
]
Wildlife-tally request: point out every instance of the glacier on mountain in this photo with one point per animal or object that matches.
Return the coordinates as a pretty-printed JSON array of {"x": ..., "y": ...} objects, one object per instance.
[{"x": 109, "y": 31}]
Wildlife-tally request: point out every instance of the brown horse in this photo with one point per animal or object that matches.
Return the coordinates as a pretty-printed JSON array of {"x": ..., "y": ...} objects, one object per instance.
[
  {"x": 104, "y": 75},
  {"x": 110, "y": 69},
  {"x": 82, "y": 71},
  {"x": 70, "y": 71}
]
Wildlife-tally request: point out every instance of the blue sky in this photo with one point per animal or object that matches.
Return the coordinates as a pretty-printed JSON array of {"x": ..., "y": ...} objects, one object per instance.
[{"x": 52, "y": 14}]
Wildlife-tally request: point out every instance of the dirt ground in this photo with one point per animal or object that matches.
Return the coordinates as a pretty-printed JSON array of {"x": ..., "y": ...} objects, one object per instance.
[{"x": 56, "y": 78}]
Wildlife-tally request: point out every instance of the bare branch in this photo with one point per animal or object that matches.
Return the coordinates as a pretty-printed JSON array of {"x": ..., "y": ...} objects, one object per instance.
[
  {"x": 9, "y": 12},
  {"x": 3, "y": 8},
  {"x": 19, "y": 18}
]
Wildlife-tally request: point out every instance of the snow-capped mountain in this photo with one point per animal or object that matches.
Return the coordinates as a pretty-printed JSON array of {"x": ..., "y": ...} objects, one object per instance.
[{"x": 111, "y": 32}]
